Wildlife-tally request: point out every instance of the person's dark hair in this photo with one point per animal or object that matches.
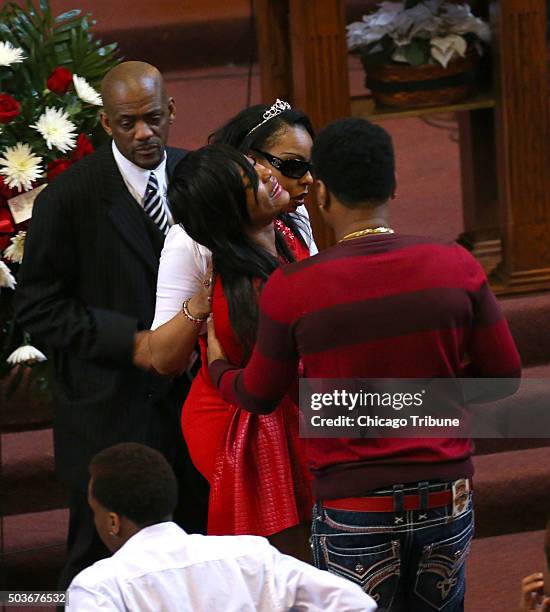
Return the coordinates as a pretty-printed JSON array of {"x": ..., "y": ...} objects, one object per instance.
[
  {"x": 237, "y": 133},
  {"x": 355, "y": 160},
  {"x": 134, "y": 481},
  {"x": 208, "y": 198}
]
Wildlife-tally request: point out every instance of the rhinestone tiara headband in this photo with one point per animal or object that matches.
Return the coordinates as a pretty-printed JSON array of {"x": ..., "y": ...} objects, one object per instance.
[{"x": 276, "y": 109}]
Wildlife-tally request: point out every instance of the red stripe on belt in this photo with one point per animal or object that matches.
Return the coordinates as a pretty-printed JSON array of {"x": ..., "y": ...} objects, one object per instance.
[{"x": 386, "y": 504}]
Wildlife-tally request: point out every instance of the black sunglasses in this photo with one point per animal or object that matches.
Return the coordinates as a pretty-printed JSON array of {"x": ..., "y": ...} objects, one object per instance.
[{"x": 291, "y": 168}]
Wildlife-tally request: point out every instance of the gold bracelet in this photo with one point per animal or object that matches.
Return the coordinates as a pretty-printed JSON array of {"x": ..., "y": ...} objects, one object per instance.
[{"x": 185, "y": 310}]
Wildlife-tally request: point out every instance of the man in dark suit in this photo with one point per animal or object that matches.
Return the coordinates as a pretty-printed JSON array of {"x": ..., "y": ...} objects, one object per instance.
[{"x": 87, "y": 293}]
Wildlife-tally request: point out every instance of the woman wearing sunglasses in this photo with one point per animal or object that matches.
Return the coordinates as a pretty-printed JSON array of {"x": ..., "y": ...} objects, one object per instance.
[
  {"x": 282, "y": 143},
  {"x": 255, "y": 466}
]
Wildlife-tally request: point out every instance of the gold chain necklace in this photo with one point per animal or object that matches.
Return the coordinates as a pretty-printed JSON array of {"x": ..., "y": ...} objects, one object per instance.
[{"x": 366, "y": 232}]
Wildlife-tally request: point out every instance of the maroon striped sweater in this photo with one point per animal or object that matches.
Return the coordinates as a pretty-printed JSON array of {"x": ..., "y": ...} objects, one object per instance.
[{"x": 382, "y": 306}]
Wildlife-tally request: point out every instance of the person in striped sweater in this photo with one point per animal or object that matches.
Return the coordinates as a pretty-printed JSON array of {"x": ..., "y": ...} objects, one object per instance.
[{"x": 392, "y": 514}]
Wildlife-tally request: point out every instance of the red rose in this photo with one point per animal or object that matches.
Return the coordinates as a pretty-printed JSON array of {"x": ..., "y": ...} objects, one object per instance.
[
  {"x": 57, "y": 166},
  {"x": 84, "y": 147},
  {"x": 5, "y": 191},
  {"x": 9, "y": 108},
  {"x": 7, "y": 228},
  {"x": 60, "y": 80}
]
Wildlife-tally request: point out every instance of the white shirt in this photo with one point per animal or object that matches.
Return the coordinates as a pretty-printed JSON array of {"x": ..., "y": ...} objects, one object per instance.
[
  {"x": 136, "y": 179},
  {"x": 183, "y": 263},
  {"x": 161, "y": 569}
]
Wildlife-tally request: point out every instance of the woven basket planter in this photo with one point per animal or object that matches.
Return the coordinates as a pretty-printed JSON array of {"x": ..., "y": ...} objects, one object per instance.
[{"x": 404, "y": 86}]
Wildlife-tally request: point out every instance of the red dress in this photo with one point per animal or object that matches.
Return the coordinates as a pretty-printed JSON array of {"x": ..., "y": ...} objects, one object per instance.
[{"x": 255, "y": 464}]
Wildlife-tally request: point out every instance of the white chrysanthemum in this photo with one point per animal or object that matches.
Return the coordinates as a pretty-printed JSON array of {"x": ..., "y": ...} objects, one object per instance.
[
  {"x": 10, "y": 54},
  {"x": 26, "y": 355},
  {"x": 14, "y": 252},
  {"x": 6, "y": 277},
  {"x": 21, "y": 166},
  {"x": 86, "y": 92},
  {"x": 54, "y": 125}
]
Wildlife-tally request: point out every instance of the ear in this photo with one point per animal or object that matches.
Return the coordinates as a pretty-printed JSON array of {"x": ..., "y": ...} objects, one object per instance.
[
  {"x": 322, "y": 195},
  {"x": 114, "y": 523},
  {"x": 171, "y": 110},
  {"x": 103, "y": 117}
]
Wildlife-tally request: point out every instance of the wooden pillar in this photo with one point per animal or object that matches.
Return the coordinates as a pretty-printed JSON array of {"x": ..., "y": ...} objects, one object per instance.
[
  {"x": 272, "y": 29},
  {"x": 479, "y": 186},
  {"x": 319, "y": 59},
  {"x": 320, "y": 78},
  {"x": 523, "y": 144}
]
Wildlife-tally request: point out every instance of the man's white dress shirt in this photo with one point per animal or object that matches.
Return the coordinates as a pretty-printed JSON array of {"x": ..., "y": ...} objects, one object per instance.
[
  {"x": 163, "y": 569},
  {"x": 136, "y": 179}
]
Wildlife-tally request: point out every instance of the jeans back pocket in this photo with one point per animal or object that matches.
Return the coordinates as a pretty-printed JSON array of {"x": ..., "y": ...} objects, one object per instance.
[
  {"x": 440, "y": 579},
  {"x": 376, "y": 569}
]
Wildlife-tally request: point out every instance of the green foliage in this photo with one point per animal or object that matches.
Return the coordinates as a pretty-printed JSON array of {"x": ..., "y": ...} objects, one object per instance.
[
  {"x": 47, "y": 42},
  {"x": 417, "y": 52}
]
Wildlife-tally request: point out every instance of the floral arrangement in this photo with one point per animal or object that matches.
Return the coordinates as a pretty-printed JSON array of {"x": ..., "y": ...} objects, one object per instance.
[
  {"x": 417, "y": 32},
  {"x": 50, "y": 69}
]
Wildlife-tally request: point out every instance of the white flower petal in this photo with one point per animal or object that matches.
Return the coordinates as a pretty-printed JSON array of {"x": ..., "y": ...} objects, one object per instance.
[
  {"x": 10, "y": 54},
  {"x": 358, "y": 37},
  {"x": 421, "y": 12},
  {"x": 399, "y": 56},
  {"x": 21, "y": 167},
  {"x": 443, "y": 57},
  {"x": 6, "y": 277},
  {"x": 460, "y": 20},
  {"x": 27, "y": 355},
  {"x": 56, "y": 129},
  {"x": 452, "y": 41},
  {"x": 14, "y": 252},
  {"x": 86, "y": 92},
  {"x": 391, "y": 7},
  {"x": 400, "y": 41}
]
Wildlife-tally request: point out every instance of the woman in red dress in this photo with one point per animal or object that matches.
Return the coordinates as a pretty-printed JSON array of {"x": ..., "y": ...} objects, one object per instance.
[{"x": 255, "y": 465}]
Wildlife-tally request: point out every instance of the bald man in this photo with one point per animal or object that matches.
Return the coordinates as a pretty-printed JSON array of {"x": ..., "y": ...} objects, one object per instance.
[{"x": 87, "y": 293}]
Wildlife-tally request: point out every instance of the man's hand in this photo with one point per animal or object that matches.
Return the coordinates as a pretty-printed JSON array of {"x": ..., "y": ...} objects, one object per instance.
[
  {"x": 532, "y": 595},
  {"x": 215, "y": 350},
  {"x": 142, "y": 351}
]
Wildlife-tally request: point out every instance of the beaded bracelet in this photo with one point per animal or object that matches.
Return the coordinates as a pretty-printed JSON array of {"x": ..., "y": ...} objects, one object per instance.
[{"x": 185, "y": 309}]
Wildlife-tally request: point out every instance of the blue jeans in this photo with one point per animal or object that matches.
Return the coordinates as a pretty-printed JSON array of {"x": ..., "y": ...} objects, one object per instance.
[{"x": 411, "y": 561}]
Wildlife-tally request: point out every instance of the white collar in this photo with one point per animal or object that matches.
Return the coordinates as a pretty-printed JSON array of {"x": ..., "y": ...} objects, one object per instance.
[
  {"x": 136, "y": 178},
  {"x": 166, "y": 529}
]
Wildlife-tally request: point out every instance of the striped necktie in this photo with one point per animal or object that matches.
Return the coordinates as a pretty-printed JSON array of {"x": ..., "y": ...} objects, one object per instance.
[{"x": 154, "y": 206}]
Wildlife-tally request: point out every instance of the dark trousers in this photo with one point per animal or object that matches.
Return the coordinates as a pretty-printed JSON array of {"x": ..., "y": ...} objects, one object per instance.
[{"x": 84, "y": 546}]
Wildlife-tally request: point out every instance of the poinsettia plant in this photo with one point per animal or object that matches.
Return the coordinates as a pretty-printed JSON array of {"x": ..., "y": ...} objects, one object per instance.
[
  {"x": 50, "y": 71},
  {"x": 418, "y": 32}
]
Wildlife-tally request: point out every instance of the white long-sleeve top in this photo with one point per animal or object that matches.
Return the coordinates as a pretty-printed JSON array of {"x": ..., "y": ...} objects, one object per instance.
[
  {"x": 163, "y": 569},
  {"x": 183, "y": 263}
]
